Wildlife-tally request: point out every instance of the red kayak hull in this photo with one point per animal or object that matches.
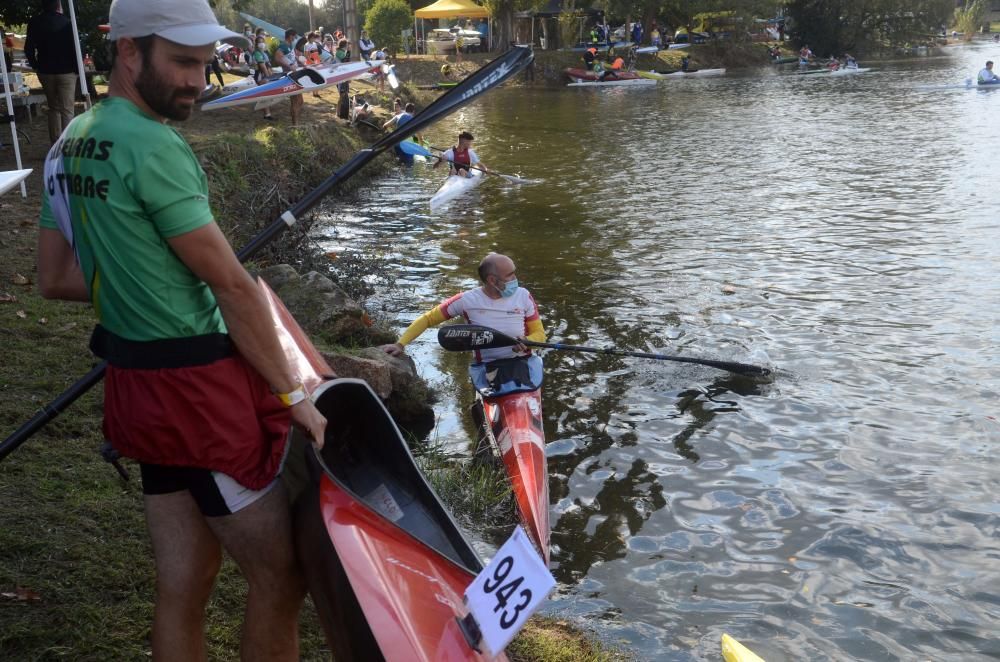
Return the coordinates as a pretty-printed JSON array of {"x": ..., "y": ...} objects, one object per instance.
[
  {"x": 385, "y": 563},
  {"x": 513, "y": 425}
]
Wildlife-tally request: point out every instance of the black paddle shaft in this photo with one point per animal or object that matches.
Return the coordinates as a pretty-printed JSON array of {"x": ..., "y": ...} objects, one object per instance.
[
  {"x": 729, "y": 366},
  {"x": 494, "y": 73},
  {"x": 468, "y": 337}
]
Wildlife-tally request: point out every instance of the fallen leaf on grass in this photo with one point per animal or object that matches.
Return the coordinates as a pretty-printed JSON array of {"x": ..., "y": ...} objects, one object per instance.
[
  {"x": 25, "y": 223},
  {"x": 66, "y": 328},
  {"x": 43, "y": 320},
  {"x": 18, "y": 279},
  {"x": 22, "y": 594},
  {"x": 7, "y": 298},
  {"x": 23, "y": 315},
  {"x": 331, "y": 255}
]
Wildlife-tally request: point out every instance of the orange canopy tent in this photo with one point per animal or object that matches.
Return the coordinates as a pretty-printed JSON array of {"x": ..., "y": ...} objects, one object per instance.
[{"x": 450, "y": 9}]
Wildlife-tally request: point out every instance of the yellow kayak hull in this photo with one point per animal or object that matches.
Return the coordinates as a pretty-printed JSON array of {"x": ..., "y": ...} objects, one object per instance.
[{"x": 734, "y": 651}]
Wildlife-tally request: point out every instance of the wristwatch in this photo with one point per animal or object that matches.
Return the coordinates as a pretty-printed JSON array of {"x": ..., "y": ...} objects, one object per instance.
[{"x": 293, "y": 397}]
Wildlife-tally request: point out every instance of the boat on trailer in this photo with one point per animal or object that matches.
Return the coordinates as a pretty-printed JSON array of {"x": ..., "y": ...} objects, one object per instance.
[{"x": 385, "y": 563}]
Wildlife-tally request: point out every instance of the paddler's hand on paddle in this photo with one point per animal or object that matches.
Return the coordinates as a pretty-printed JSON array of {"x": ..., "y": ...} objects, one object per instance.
[
  {"x": 393, "y": 349},
  {"x": 520, "y": 348},
  {"x": 307, "y": 418}
]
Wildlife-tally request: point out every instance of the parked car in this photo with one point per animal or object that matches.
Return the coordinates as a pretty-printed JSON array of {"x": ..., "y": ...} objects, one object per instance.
[{"x": 442, "y": 40}]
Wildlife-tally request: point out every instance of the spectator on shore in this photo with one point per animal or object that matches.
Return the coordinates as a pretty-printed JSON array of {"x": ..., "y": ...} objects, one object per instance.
[
  {"x": 286, "y": 57},
  {"x": 343, "y": 103},
  {"x": 365, "y": 45},
  {"x": 637, "y": 33},
  {"x": 262, "y": 69},
  {"x": 51, "y": 52}
]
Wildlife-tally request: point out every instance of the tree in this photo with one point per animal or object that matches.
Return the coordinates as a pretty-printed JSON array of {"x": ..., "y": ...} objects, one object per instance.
[
  {"x": 385, "y": 22},
  {"x": 970, "y": 17},
  {"x": 833, "y": 26}
]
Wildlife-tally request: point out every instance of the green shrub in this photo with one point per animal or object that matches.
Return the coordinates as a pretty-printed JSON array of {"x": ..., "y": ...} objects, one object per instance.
[{"x": 385, "y": 22}]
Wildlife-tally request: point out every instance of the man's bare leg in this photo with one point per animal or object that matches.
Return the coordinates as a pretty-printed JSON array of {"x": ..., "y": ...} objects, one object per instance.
[
  {"x": 259, "y": 538},
  {"x": 187, "y": 557}
]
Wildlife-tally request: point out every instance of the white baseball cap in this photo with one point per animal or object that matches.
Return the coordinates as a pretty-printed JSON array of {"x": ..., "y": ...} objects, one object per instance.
[{"x": 184, "y": 22}]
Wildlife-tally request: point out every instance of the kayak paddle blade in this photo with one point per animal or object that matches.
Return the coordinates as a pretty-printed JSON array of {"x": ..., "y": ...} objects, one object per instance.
[{"x": 469, "y": 337}]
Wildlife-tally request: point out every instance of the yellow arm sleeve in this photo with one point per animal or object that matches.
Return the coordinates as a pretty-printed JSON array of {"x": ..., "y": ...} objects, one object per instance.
[
  {"x": 536, "y": 332},
  {"x": 431, "y": 318}
]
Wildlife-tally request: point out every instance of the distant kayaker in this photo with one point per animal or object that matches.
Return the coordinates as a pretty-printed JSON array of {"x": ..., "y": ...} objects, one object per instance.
[
  {"x": 589, "y": 56},
  {"x": 986, "y": 76},
  {"x": 460, "y": 157},
  {"x": 685, "y": 63},
  {"x": 198, "y": 389},
  {"x": 499, "y": 303},
  {"x": 850, "y": 61},
  {"x": 805, "y": 54}
]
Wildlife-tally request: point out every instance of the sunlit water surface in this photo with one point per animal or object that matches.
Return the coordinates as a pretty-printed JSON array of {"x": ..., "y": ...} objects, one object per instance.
[{"x": 841, "y": 230}]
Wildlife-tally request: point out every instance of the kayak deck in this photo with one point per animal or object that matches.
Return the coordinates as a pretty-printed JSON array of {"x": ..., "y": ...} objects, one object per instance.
[
  {"x": 455, "y": 186},
  {"x": 512, "y": 425}
]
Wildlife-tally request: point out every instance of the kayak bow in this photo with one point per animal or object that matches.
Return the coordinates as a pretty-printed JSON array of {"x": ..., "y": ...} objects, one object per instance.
[
  {"x": 310, "y": 79},
  {"x": 512, "y": 425},
  {"x": 455, "y": 186}
]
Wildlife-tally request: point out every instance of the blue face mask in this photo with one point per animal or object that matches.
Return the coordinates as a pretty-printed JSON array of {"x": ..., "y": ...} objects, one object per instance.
[{"x": 509, "y": 288}]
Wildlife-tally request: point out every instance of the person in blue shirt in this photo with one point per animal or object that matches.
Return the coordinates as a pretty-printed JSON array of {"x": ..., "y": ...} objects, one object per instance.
[
  {"x": 637, "y": 33},
  {"x": 402, "y": 116}
]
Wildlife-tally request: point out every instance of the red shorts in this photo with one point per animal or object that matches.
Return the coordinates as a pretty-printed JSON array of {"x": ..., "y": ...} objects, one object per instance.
[{"x": 219, "y": 415}]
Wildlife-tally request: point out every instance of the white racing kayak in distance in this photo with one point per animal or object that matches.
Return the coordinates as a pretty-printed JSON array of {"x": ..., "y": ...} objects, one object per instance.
[
  {"x": 307, "y": 79},
  {"x": 614, "y": 82},
  {"x": 11, "y": 178},
  {"x": 455, "y": 186}
]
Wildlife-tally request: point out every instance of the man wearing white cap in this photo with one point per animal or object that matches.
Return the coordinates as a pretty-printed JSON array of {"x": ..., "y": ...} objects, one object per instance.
[{"x": 197, "y": 389}]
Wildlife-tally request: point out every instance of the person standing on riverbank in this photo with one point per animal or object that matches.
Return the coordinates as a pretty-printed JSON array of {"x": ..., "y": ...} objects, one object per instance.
[
  {"x": 286, "y": 56},
  {"x": 197, "y": 389},
  {"x": 51, "y": 52}
]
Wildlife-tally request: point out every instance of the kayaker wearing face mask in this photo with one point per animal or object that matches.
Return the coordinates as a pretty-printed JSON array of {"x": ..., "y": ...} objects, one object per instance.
[{"x": 499, "y": 303}]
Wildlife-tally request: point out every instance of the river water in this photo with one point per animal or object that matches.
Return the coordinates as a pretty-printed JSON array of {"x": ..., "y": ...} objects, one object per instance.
[{"x": 843, "y": 231}]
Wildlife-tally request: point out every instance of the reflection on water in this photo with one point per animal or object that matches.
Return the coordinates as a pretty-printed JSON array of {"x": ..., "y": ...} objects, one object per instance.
[{"x": 843, "y": 230}]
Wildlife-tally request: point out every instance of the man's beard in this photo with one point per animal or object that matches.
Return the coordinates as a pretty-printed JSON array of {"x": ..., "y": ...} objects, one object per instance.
[{"x": 161, "y": 98}]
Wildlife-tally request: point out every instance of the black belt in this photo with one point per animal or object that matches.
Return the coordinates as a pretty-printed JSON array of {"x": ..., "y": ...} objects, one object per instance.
[{"x": 159, "y": 354}]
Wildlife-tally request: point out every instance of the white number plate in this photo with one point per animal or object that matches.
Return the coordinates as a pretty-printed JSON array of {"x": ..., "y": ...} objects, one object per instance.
[{"x": 508, "y": 591}]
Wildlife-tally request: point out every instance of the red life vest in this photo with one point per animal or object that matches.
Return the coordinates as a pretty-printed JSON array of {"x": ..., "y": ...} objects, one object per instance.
[{"x": 461, "y": 156}]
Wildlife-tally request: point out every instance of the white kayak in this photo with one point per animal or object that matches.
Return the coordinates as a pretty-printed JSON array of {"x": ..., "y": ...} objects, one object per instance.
[
  {"x": 455, "y": 186},
  {"x": 11, "y": 178},
  {"x": 308, "y": 79},
  {"x": 622, "y": 82},
  {"x": 695, "y": 74},
  {"x": 844, "y": 71}
]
